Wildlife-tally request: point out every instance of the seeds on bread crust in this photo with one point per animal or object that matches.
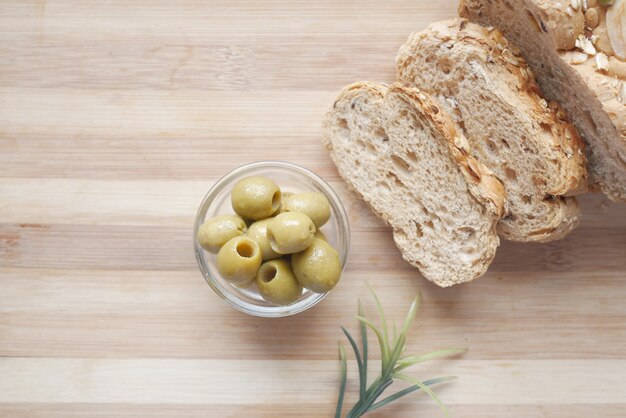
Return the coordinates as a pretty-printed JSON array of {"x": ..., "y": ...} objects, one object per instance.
[{"x": 591, "y": 93}]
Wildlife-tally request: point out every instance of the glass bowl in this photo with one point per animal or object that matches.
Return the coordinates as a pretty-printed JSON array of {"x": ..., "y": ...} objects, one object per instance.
[{"x": 290, "y": 178}]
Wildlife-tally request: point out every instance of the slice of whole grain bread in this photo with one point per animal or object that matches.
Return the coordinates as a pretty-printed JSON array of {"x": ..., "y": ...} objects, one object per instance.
[
  {"x": 481, "y": 80},
  {"x": 402, "y": 154},
  {"x": 567, "y": 44}
]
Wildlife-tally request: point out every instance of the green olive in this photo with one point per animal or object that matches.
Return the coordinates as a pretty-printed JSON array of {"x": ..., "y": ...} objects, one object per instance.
[
  {"x": 255, "y": 197},
  {"x": 277, "y": 284},
  {"x": 258, "y": 232},
  {"x": 238, "y": 260},
  {"x": 214, "y": 232},
  {"x": 315, "y": 205},
  {"x": 318, "y": 267},
  {"x": 290, "y": 232}
]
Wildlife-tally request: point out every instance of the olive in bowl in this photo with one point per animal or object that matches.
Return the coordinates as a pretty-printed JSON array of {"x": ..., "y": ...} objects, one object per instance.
[
  {"x": 239, "y": 260},
  {"x": 318, "y": 267},
  {"x": 290, "y": 232},
  {"x": 215, "y": 232},
  {"x": 256, "y": 197},
  {"x": 277, "y": 283},
  {"x": 315, "y": 205}
]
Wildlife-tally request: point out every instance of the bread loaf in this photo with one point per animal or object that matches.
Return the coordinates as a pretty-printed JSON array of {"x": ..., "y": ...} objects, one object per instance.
[
  {"x": 484, "y": 83},
  {"x": 402, "y": 154},
  {"x": 577, "y": 49}
]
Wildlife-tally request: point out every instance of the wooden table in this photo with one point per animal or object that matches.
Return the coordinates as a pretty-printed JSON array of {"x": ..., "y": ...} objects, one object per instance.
[{"x": 117, "y": 116}]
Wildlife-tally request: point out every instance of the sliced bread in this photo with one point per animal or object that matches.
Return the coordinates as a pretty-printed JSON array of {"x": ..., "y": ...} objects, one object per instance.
[
  {"x": 486, "y": 86},
  {"x": 402, "y": 154},
  {"x": 577, "y": 49}
]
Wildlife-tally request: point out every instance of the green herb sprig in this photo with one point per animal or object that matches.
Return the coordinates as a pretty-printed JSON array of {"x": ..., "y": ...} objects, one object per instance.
[{"x": 393, "y": 363}]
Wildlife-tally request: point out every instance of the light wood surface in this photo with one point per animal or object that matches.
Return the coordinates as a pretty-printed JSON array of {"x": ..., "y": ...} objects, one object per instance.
[{"x": 116, "y": 117}]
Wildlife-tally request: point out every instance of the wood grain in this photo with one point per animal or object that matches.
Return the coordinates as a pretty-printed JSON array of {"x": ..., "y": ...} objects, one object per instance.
[{"x": 117, "y": 117}]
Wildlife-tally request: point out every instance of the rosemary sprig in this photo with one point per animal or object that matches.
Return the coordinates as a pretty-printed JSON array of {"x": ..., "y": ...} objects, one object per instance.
[{"x": 393, "y": 363}]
